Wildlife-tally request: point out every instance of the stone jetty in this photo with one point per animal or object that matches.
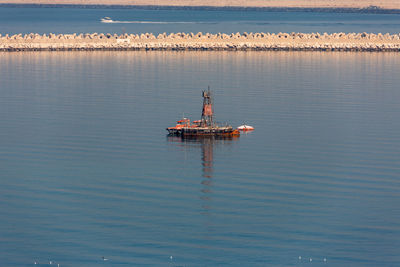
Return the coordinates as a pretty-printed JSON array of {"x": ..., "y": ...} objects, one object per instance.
[{"x": 202, "y": 41}]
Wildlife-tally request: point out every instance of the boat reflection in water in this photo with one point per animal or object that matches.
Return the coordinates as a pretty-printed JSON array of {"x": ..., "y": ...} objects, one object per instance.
[
  {"x": 207, "y": 144},
  {"x": 190, "y": 146}
]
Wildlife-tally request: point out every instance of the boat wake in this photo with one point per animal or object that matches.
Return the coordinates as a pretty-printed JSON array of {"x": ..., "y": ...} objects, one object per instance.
[{"x": 150, "y": 22}]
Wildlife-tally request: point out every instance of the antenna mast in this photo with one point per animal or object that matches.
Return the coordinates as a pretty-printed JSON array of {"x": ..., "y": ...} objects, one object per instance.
[{"x": 207, "y": 114}]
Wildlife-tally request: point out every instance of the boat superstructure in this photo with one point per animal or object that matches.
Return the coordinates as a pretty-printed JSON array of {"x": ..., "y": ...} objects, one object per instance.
[{"x": 204, "y": 127}]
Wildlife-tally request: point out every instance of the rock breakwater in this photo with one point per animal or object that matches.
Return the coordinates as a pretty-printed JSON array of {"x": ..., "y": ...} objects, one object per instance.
[{"x": 202, "y": 41}]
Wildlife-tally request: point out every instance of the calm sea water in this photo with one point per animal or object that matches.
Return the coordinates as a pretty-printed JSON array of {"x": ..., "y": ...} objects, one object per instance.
[
  {"x": 87, "y": 169},
  {"x": 79, "y": 20}
]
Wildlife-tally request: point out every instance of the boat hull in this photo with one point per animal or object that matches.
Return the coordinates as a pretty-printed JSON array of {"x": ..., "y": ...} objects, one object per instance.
[{"x": 204, "y": 131}]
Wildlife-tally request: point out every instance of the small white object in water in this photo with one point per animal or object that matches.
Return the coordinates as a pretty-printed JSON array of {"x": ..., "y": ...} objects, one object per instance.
[
  {"x": 245, "y": 127},
  {"x": 106, "y": 20},
  {"x": 35, "y": 262},
  {"x": 104, "y": 259},
  {"x": 310, "y": 259},
  {"x": 299, "y": 257},
  {"x": 170, "y": 257},
  {"x": 51, "y": 262},
  {"x": 324, "y": 259}
]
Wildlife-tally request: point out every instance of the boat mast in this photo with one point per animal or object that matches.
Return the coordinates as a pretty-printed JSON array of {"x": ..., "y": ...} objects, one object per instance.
[{"x": 207, "y": 114}]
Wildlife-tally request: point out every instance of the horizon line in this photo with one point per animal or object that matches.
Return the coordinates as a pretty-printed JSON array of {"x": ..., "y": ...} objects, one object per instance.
[{"x": 369, "y": 9}]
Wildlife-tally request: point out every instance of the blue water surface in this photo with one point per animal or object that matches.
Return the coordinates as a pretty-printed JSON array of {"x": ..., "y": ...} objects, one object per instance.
[
  {"x": 87, "y": 170},
  {"x": 81, "y": 20}
]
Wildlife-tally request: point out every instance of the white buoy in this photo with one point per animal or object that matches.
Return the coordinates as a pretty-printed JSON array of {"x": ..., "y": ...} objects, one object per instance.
[
  {"x": 299, "y": 257},
  {"x": 310, "y": 259},
  {"x": 171, "y": 258},
  {"x": 324, "y": 259}
]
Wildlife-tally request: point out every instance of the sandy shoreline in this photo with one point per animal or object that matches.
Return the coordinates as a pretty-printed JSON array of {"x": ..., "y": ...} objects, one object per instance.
[
  {"x": 384, "y": 4},
  {"x": 203, "y": 41}
]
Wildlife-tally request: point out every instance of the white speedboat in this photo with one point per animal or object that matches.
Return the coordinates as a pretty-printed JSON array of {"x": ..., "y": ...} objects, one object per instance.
[
  {"x": 107, "y": 20},
  {"x": 245, "y": 128}
]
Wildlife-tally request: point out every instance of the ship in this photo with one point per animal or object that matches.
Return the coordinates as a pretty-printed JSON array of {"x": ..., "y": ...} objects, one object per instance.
[{"x": 206, "y": 126}]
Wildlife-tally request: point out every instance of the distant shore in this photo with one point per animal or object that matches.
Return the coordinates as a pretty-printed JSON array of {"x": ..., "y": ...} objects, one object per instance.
[
  {"x": 383, "y": 4},
  {"x": 369, "y": 9},
  {"x": 203, "y": 41}
]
